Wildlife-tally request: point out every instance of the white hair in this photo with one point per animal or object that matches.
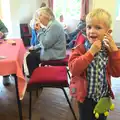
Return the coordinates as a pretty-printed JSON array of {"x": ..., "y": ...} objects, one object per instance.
[{"x": 46, "y": 11}]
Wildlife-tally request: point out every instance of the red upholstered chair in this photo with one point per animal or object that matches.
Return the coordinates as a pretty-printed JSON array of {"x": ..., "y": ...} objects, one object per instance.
[
  {"x": 62, "y": 62},
  {"x": 25, "y": 34},
  {"x": 79, "y": 40},
  {"x": 54, "y": 76}
]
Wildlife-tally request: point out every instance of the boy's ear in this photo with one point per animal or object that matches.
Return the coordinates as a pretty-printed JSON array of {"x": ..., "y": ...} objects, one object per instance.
[{"x": 109, "y": 31}]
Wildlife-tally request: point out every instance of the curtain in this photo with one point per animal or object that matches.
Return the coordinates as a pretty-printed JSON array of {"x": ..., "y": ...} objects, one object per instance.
[
  {"x": 50, "y": 4},
  {"x": 84, "y": 8}
]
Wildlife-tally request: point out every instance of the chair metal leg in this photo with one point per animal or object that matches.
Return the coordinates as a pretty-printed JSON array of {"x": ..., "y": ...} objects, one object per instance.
[
  {"x": 68, "y": 73},
  {"x": 30, "y": 105},
  {"x": 18, "y": 99},
  {"x": 69, "y": 103},
  {"x": 37, "y": 93}
]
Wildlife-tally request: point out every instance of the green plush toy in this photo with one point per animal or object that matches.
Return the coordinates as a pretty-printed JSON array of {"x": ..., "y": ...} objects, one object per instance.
[{"x": 103, "y": 106}]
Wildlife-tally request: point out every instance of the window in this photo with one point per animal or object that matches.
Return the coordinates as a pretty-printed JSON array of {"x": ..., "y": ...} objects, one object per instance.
[
  {"x": 67, "y": 8},
  {"x": 118, "y": 10}
]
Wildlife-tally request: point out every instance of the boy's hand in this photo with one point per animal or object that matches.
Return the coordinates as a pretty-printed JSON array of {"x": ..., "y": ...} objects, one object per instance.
[
  {"x": 96, "y": 47},
  {"x": 109, "y": 43}
]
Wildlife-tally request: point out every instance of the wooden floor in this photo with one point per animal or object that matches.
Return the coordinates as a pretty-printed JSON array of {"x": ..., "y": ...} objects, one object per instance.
[{"x": 51, "y": 104}]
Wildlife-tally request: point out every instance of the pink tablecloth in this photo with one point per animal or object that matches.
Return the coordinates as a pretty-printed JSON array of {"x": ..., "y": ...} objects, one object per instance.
[{"x": 12, "y": 64}]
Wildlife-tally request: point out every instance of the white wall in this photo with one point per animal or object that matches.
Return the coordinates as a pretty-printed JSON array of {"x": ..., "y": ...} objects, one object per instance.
[
  {"x": 109, "y": 5},
  {"x": 21, "y": 11},
  {"x": 27, "y": 9},
  {"x": 116, "y": 31},
  {"x": 0, "y": 10}
]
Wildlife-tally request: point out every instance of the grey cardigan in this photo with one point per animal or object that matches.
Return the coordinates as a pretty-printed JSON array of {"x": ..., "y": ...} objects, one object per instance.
[{"x": 52, "y": 42}]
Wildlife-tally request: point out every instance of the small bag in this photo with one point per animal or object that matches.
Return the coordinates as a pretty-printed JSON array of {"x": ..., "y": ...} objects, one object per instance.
[{"x": 103, "y": 106}]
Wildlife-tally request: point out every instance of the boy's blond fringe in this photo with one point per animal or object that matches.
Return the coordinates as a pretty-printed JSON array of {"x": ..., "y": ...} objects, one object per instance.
[{"x": 101, "y": 15}]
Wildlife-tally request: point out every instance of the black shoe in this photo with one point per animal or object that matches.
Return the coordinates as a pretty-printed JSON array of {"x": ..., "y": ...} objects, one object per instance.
[{"x": 6, "y": 81}]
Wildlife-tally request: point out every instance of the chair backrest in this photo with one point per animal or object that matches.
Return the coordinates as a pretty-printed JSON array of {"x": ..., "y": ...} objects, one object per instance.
[
  {"x": 25, "y": 34},
  {"x": 24, "y": 29},
  {"x": 80, "y": 39},
  {"x": 62, "y": 62}
]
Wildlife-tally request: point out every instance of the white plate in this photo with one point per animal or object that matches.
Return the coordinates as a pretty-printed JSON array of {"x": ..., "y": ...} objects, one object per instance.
[{"x": 3, "y": 57}]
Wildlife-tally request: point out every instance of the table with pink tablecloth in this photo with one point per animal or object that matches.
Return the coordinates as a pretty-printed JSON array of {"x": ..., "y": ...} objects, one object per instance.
[{"x": 12, "y": 51}]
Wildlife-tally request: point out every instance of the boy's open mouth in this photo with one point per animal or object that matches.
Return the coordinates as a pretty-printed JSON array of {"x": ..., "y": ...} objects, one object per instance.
[{"x": 93, "y": 37}]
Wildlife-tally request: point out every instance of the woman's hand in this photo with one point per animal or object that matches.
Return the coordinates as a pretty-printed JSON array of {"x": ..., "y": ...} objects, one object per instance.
[
  {"x": 37, "y": 26},
  {"x": 30, "y": 48},
  {"x": 1, "y": 34},
  {"x": 109, "y": 43}
]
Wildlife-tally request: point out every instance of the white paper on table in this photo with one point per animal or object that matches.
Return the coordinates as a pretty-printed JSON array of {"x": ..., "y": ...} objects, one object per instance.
[{"x": 3, "y": 57}]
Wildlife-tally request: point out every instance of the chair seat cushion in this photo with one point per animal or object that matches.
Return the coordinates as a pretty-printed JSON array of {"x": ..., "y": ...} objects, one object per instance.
[
  {"x": 62, "y": 62},
  {"x": 54, "y": 75},
  {"x": 27, "y": 35}
]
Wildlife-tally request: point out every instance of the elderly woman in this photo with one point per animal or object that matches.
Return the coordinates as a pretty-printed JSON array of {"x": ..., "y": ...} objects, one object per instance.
[{"x": 51, "y": 40}]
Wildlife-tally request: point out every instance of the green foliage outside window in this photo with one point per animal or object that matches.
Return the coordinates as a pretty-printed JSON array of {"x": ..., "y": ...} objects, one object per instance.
[{"x": 67, "y": 8}]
